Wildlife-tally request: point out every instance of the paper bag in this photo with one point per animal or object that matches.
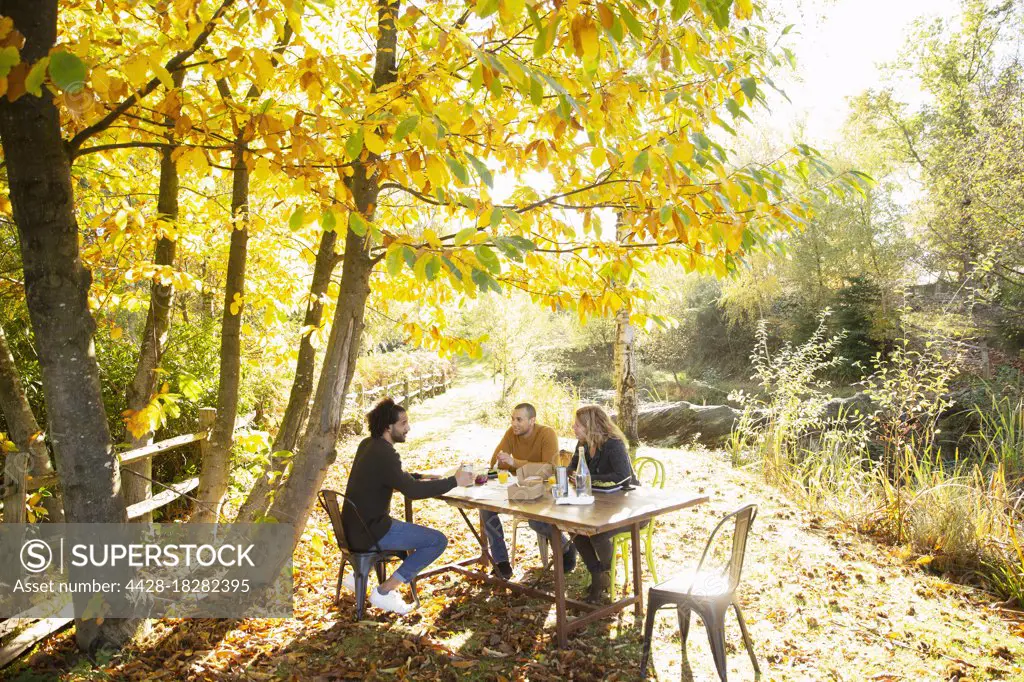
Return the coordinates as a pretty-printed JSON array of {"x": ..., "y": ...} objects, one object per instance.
[{"x": 525, "y": 492}]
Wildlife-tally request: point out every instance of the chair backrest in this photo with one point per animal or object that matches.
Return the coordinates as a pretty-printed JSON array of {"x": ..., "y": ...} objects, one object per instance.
[
  {"x": 652, "y": 468},
  {"x": 744, "y": 518},
  {"x": 331, "y": 501}
]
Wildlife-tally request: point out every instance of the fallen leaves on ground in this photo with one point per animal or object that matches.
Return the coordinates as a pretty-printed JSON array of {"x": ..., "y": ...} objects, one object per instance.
[{"x": 820, "y": 602}]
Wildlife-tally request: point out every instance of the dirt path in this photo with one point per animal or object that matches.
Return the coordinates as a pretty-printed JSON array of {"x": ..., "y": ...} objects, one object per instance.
[{"x": 821, "y": 604}]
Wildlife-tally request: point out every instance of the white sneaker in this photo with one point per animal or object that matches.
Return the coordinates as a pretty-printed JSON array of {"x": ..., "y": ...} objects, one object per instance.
[{"x": 391, "y": 601}]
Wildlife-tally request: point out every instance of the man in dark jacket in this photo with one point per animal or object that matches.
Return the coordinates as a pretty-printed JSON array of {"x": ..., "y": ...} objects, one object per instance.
[{"x": 376, "y": 474}]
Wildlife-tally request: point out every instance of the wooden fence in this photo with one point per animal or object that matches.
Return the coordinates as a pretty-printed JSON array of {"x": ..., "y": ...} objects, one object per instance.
[
  {"x": 18, "y": 484},
  {"x": 407, "y": 391}
]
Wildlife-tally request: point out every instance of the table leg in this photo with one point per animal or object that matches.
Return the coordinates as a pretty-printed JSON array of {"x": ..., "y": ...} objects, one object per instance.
[
  {"x": 485, "y": 552},
  {"x": 561, "y": 620},
  {"x": 408, "y": 510},
  {"x": 637, "y": 578}
]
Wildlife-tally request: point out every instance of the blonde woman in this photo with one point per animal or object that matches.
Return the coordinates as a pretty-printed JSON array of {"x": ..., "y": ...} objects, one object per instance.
[{"x": 607, "y": 457}]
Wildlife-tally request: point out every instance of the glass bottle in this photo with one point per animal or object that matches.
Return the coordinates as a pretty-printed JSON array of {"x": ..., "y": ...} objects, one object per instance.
[{"x": 583, "y": 487}]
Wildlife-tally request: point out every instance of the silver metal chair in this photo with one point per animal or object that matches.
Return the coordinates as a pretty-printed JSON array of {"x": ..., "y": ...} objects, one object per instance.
[
  {"x": 708, "y": 593},
  {"x": 361, "y": 562}
]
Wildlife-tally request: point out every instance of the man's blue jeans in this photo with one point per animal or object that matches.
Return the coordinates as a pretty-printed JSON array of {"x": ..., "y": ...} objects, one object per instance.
[
  {"x": 425, "y": 545},
  {"x": 496, "y": 534}
]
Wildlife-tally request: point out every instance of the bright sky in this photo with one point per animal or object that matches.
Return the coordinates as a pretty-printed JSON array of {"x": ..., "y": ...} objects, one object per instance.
[{"x": 839, "y": 45}]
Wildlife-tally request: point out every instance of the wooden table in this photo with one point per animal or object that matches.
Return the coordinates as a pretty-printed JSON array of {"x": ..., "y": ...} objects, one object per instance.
[{"x": 623, "y": 511}]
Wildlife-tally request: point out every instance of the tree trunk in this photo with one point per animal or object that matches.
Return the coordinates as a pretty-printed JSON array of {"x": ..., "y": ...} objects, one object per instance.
[
  {"x": 302, "y": 386},
  {"x": 137, "y": 486},
  {"x": 624, "y": 364},
  {"x": 23, "y": 427},
  {"x": 294, "y": 499},
  {"x": 296, "y": 496},
  {"x": 57, "y": 289},
  {"x": 213, "y": 480},
  {"x": 625, "y": 378}
]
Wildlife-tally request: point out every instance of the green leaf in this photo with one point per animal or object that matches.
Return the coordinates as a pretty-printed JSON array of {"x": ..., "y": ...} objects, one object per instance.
[
  {"x": 394, "y": 261},
  {"x": 190, "y": 386},
  {"x": 631, "y": 22},
  {"x": 484, "y": 281},
  {"x": 679, "y": 8},
  {"x": 452, "y": 268},
  {"x": 354, "y": 144},
  {"x": 487, "y": 258},
  {"x": 508, "y": 248},
  {"x": 409, "y": 256},
  {"x": 749, "y": 87},
  {"x": 9, "y": 57},
  {"x": 534, "y": 17},
  {"x": 405, "y": 127},
  {"x": 617, "y": 31},
  {"x": 733, "y": 107},
  {"x": 357, "y": 223},
  {"x": 496, "y": 88},
  {"x": 67, "y": 71},
  {"x": 481, "y": 170},
  {"x": 496, "y": 215},
  {"x": 536, "y": 92},
  {"x": 458, "y": 170},
  {"x": 36, "y": 76},
  {"x": 540, "y": 44},
  {"x": 719, "y": 10},
  {"x": 522, "y": 243},
  {"x": 463, "y": 236},
  {"x": 641, "y": 162},
  {"x": 298, "y": 217},
  {"x": 485, "y": 8},
  {"x": 433, "y": 267},
  {"x": 328, "y": 221}
]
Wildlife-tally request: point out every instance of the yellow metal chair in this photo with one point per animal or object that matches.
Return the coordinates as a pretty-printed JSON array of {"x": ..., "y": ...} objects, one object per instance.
[
  {"x": 543, "y": 544},
  {"x": 651, "y": 473}
]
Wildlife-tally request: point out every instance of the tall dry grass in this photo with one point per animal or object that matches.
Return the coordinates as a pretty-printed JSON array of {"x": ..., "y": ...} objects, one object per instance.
[{"x": 881, "y": 472}]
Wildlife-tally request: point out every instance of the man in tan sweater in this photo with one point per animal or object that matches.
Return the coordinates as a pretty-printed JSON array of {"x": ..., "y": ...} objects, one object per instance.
[{"x": 525, "y": 441}]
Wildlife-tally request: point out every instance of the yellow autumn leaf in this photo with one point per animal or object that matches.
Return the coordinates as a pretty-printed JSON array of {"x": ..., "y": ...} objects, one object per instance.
[
  {"x": 598, "y": 156},
  {"x": 436, "y": 171},
  {"x": 589, "y": 41},
  {"x": 742, "y": 9},
  {"x": 373, "y": 142},
  {"x": 264, "y": 68},
  {"x": 261, "y": 172},
  {"x": 100, "y": 80},
  {"x": 137, "y": 70},
  {"x": 163, "y": 74}
]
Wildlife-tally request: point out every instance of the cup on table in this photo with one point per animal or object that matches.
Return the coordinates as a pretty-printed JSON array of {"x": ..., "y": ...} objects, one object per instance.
[{"x": 502, "y": 476}]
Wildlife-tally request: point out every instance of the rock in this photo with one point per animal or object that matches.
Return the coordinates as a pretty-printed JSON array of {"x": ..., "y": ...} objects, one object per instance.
[
  {"x": 849, "y": 408},
  {"x": 676, "y": 424}
]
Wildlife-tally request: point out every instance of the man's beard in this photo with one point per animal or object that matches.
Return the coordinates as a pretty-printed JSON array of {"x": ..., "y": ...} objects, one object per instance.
[{"x": 397, "y": 437}]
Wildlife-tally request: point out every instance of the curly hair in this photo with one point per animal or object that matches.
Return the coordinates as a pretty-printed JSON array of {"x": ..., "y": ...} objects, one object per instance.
[{"x": 382, "y": 416}]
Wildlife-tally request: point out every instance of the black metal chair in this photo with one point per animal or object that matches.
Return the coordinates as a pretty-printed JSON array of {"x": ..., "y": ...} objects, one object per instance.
[
  {"x": 361, "y": 562},
  {"x": 709, "y": 593}
]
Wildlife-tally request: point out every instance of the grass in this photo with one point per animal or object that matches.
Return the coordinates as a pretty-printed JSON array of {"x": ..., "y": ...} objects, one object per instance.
[{"x": 882, "y": 473}]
